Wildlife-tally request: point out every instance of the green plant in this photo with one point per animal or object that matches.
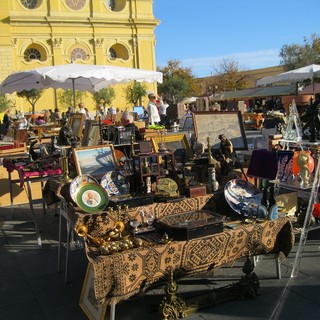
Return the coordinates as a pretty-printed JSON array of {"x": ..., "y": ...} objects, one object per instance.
[
  {"x": 65, "y": 97},
  {"x": 32, "y": 96},
  {"x": 5, "y": 103},
  {"x": 104, "y": 96},
  {"x": 134, "y": 92}
]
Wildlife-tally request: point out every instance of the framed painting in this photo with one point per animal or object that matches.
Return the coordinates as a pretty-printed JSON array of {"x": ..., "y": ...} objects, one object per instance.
[
  {"x": 91, "y": 133},
  {"x": 95, "y": 161},
  {"x": 88, "y": 301},
  {"x": 176, "y": 143},
  {"x": 76, "y": 124},
  {"x": 210, "y": 124}
]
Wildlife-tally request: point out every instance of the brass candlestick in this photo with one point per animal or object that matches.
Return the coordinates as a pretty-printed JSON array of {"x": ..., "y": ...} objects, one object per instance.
[{"x": 65, "y": 167}]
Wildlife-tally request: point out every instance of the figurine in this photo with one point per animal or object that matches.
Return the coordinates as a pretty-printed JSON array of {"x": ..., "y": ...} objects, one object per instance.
[
  {"x": 304, "y": 173},
  {"x": 226, "y": 155}
]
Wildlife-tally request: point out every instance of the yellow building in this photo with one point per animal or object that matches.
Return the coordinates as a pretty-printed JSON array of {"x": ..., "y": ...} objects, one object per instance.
[{"x": 36, "y": 33}]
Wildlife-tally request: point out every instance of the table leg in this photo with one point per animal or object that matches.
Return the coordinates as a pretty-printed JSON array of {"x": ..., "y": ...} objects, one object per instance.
[
  {"x": 60, "y": 242},
  {"x": 113, "y": 311},
  {"x": 11, "y": 195},
  {"x": 29, "y": 194},
  {"x": 69, "y": 231}
]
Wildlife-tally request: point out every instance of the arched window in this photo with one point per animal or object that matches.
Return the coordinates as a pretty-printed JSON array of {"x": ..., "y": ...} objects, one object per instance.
[
  {"x": 29, "y": 4},
  {"x": 118, "y": 51},
  {"x": 75, "y": 4},
  {"x": 79, "y": 54},
  {"x": 32, "y": 54}
]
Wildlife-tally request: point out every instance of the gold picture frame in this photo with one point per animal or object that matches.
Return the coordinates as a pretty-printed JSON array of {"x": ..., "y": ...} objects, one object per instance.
[
  {"x": 94, "y": 160},
  {"x": 88, "y": 302},
  {"x": 91, "y": 133},
  {"x": 210, "y": 124},
  {"x": 176, "y": 143},
  {"x": 76, "y": 124}
]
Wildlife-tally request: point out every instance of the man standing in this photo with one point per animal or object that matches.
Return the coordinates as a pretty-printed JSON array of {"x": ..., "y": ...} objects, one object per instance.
[{"x": 163, "y": 112}]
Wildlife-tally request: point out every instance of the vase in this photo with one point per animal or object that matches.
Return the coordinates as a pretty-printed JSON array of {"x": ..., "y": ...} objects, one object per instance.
[{"x": 284, "y": 161}]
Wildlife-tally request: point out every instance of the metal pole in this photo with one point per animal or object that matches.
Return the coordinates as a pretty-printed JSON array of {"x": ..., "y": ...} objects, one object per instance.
[{"x": 74, "y": 96}]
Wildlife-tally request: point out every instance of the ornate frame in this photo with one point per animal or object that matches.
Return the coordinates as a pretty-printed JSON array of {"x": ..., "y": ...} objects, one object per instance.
[
  {"x": 76, "y": 124},
  {"x": 173, "y": 142},
  {"x": 210, "y": 124},
  {"x": 88, "y": 301},
  {"x": 94, "y": 160}
]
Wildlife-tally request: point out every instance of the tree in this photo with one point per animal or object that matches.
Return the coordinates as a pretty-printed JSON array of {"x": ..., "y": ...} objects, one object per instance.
[
  {"x": 65, "y": 97},
  {"x": 32, "y": 96},
  {"x": 104, "y": 96},
  {"x": 295, "y": 56},
  {"x": 178, "y": 82},
  {"x": 134, "y": 92},
  {"x": 5, "y": 103},
  {"x": 229, "y": 77}
]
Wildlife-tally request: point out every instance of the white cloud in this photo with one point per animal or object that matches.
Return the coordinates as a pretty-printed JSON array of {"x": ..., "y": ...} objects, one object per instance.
[{"x": 205, "y": 66}]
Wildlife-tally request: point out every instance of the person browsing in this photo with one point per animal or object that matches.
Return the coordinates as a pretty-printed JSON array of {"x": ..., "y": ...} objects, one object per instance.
[{"x": 154, "y": 117}]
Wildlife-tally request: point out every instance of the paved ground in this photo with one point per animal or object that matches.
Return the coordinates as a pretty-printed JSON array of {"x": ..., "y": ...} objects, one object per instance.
[{"x": 31, "y": 287}]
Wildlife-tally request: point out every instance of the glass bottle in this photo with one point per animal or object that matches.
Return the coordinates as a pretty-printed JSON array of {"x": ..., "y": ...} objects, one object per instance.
[{"x": 214, "y": 181}]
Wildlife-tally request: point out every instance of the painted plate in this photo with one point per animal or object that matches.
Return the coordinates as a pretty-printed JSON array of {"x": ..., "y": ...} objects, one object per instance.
[
  {"x": 92, "y": 198},
  {"x": 77, "y": 182},
  {"x": 115, "y": 183},
  {"x": 243, "y": 197}
]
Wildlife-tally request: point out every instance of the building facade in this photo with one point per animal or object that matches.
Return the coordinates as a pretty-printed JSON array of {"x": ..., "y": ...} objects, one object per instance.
[
  {"x": 206, "y": 83},
  {"x": 37, "y": 33}
]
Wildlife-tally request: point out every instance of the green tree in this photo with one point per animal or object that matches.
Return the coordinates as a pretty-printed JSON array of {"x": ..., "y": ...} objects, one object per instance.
[
  {"x": 104, "y": 96},
  {"x": 65, "y": 97},
  {"x": 229, "y": 77},
  {"x": 295, "y": 56},
  {"x": 32, "y": 96},
  {"x": 178, "y": 82},
  {"x": 5, "y": 103},
  {"x": 134, "y": 92}
]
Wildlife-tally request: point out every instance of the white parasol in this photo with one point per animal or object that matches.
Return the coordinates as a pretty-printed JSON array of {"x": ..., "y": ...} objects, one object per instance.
[
  {"x": 83, "y": 77},
  {"x": 309, "y": 72}
]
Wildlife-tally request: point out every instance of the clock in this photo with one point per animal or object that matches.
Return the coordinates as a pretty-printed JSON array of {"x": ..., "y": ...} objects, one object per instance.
[{"x": 75, "y": 4}]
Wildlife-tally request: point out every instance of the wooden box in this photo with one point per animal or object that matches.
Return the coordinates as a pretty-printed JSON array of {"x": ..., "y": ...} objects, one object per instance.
[
  {"x": 196, "y": 191},
  {"x": 191, "y": 224}
]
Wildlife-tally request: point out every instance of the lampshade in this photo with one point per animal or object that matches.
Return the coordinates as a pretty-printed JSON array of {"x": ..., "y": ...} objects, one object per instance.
[{"x": 263, "y": 164}]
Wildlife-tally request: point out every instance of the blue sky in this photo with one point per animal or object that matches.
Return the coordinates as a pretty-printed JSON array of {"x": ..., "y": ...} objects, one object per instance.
[{"x": 203, "y": 33}]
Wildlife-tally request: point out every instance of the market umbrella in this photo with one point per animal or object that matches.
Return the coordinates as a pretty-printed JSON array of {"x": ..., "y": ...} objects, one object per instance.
[
  {"x": 189, "y": 100},
  {"x": 309, "y": 72},
  {"x": 82, "y": 77}
]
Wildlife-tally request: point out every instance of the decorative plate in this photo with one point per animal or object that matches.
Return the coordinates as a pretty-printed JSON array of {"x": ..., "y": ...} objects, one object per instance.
[
  {"x": 77, "y": 182},
  {"x": 243, "y": 197},
  {"x": 115, "y": 183},
  {"x": 92, "y": 198}
]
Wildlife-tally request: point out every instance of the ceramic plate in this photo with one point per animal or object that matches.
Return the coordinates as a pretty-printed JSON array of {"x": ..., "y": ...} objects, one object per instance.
[
  {"x": 77, "y": 182},
  {"x": 92, "y": 198},
  {"x": 243, "y": 197},
  {"x": 115, "y": 183}
]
